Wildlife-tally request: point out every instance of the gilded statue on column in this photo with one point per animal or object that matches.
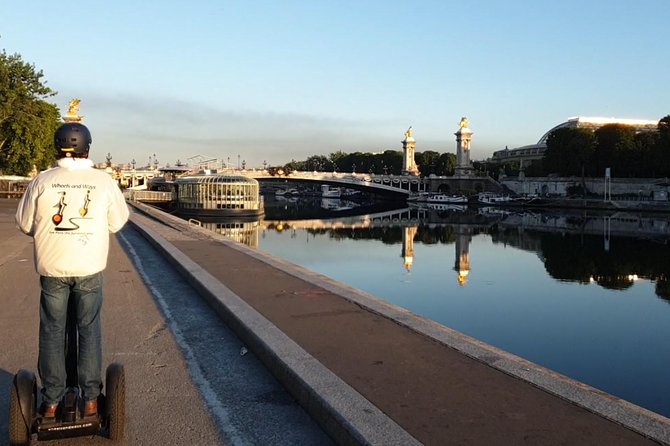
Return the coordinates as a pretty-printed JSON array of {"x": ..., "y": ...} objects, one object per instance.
[{"x": 72, "y": 114}]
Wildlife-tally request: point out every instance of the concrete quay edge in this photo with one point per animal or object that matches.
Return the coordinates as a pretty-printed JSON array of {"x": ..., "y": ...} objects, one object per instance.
[
  {"x": 624, "y": 413},
  {"x": 345, "y": 414}
]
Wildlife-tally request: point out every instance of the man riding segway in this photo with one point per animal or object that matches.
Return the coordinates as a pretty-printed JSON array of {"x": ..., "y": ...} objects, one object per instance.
[{"x": 69, "y": 210}]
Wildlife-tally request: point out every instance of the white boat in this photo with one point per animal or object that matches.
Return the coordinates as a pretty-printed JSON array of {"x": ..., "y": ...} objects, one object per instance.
[
  {"x": 418, "y": 196},
  {"x": 335, "y": 204},
  {"x": 491, "y": 198},
  {"x": 441, "y": 198},
  {"x": 330, "y": 192},
  {"x": 286, "y": 192},
  {"x": 447, "y": 207}
]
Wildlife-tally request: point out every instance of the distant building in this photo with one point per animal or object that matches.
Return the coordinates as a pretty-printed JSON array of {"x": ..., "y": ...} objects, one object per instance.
[{"x": 524, "y": 155}]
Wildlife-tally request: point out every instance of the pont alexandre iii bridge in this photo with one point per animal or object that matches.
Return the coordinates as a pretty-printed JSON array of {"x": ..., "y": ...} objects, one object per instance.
[
  {"x": 398, "y": 186},
  {"x": 395, "y": 185}
]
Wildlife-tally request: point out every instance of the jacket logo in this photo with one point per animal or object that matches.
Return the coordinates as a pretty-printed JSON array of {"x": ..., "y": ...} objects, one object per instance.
[{"x": 57, "y": 218}]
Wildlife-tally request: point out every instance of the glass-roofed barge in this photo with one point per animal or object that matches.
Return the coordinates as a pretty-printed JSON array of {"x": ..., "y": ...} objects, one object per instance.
[{"x": 218, "y": 195}]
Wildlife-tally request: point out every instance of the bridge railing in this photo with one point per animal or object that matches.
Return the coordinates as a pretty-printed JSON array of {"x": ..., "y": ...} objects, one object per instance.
[
  {"x": 400, "y": 183},
  {"x": 147, "y": 195}
]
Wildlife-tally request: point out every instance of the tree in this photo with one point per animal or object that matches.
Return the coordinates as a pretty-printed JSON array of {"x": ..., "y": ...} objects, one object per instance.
[
  {"x": 27, "y": 121},
  {"x": 446, "y": 164},
  {"x": 336, "y": 159},
  {"x": 569, "y": 151},
  {"x": 318, "y": 163},
  {"x": 647, "y": 163},
  {"x": 427, "y": 161},
  {"x": 392, "y": 159},
  {"x": 662, "y": 147},
  {"x": 615, "y": 148}
]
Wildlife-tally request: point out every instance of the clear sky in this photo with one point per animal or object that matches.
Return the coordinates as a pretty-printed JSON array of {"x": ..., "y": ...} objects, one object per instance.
[{"x": 276, "y": 80}]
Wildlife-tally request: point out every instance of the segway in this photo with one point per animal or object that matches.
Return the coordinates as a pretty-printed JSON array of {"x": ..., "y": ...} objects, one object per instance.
[{"x": 24, "y": 419}]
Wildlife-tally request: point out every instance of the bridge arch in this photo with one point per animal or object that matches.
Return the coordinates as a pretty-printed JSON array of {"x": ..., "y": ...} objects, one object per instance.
[{"x": 400, "y": 186}]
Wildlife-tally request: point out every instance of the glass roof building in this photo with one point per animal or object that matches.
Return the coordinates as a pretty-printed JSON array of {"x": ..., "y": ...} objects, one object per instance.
[{"x": 218, "y": 195}]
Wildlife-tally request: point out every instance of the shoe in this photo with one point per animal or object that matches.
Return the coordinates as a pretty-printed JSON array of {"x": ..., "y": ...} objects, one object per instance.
[
  {"x": 91, "y": 408},
  {"x": 49, "y": 410}
]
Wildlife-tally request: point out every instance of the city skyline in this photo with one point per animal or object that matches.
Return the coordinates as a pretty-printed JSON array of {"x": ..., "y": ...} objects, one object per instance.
[{"x": 279, "y": 81}]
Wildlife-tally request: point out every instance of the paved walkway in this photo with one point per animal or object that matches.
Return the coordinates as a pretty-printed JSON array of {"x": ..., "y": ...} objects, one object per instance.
[{"x": 422, "y": 376}]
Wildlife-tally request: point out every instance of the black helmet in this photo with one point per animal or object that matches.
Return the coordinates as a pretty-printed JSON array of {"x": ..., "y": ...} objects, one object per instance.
[{"x": 72, "y": 139}]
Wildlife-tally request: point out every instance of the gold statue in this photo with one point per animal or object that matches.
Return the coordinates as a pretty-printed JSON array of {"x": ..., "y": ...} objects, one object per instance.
[
  {"x": 74, "y": 107},
  {"x": 409, "y": 132},
  {"x": 72, "y": 112},
  {"x": 464, "y": 122}
]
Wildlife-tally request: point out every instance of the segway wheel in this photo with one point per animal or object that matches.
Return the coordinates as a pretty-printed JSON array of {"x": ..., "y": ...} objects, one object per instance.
[
  {"x": 115, "y": 400},
  {"x": 19, "y": 422}
]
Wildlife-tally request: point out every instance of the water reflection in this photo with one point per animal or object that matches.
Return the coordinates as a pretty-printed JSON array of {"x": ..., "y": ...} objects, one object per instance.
[
  {"x": 245, "y": 232},
  {"x": 408, "y": 234},
  {"x": 611, "y": 250},
  {"x": 462, "y": 266}
]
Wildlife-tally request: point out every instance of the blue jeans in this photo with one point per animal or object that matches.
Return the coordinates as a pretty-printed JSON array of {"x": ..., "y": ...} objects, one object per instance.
[{"x": 87, "y": 294}]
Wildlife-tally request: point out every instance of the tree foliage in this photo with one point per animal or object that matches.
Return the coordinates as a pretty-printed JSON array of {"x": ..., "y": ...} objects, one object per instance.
[
  {"x": 388, "y": 162},
  {"x": 615, "y": 147},
  {"x": 27, "y": 120},
  {"x": 577, "y": 151},
  {"x": 569, "y": 151}
]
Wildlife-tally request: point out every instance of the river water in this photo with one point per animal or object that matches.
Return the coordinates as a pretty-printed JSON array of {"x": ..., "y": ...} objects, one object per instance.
[{"x": 581, "y": 293}]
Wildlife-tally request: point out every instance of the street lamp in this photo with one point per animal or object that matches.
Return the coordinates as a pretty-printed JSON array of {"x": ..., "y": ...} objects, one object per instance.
[{"x": 132, "y": 181}]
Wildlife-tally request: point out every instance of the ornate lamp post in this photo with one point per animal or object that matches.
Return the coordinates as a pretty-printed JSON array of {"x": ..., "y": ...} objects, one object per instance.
[{"x": 132, "y": 181}]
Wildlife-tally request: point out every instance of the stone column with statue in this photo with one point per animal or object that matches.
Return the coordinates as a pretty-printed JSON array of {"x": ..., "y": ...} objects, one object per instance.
[
  {"x": 409, "y": 166},
  {"x": 463, "y": 139}
]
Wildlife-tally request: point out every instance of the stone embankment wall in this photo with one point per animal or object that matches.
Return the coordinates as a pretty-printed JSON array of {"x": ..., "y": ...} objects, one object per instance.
[{"x": 656, "y": 189}]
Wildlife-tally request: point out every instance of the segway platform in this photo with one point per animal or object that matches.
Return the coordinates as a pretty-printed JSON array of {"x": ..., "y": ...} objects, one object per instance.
[
  {"x": 24, "y": 420},
  {"x": 69, "y": 421}
]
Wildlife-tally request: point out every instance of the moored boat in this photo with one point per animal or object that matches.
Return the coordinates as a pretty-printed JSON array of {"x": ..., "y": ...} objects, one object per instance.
[
  {"x": 440, "y": 198},
  {"x": 330, "y": 191},
  {"x": 490, "y": 198}
]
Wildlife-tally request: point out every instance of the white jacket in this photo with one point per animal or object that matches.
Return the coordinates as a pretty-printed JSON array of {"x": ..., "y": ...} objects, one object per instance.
[{"x": 70, "y": 211}]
